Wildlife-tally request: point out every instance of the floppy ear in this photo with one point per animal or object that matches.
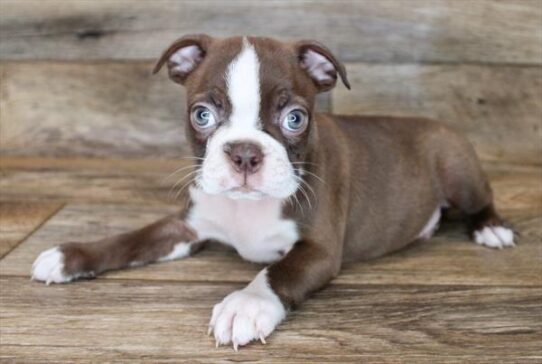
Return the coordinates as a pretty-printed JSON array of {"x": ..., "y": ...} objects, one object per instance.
[
  {"x": 183, "y": 56},
  {"x": 320, "y": 64}
]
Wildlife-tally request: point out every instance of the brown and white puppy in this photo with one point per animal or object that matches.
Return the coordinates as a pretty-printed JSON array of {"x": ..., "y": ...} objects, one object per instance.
[{"x": 284, "y": 185}]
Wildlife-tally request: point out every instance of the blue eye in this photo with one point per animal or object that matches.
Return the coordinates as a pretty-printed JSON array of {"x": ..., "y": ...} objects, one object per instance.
[
  {"x": 203, "y": 118},
  {"x": 295, "y": 121}
]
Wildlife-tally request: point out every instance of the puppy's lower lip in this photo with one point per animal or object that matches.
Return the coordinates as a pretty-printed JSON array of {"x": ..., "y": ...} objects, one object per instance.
[{"x": 245, "y": 189}]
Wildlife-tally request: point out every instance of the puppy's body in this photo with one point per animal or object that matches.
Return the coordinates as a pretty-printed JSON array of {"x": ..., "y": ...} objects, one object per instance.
[
  {"x": 406, "y": 170},
  {"x": 284, "y": 185}
]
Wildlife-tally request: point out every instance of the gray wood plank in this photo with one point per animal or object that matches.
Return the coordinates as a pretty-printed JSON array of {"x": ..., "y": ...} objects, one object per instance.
[
  {"x": 98, "y": 110},
  {"x": 499, "y": 108},
  {"x": 489, "y": 31},
  {"x": 104, "y": 109},
  {"x": 167, "y": 321}
]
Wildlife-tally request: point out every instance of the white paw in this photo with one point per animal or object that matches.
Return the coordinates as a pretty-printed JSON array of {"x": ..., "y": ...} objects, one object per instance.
[
  {"x": 494, "y": 237},
  {"x": 247, "y": 315},
  {"x": 49, "y": 267}
]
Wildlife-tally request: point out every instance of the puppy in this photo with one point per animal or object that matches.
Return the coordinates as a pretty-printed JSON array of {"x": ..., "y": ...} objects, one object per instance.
[{"x": 284, "y": 185}]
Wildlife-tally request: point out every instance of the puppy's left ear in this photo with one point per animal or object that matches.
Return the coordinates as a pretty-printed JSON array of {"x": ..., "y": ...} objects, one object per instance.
[
  {"x": 183, "y": 56},
  {"x": 321, "y": 65}
]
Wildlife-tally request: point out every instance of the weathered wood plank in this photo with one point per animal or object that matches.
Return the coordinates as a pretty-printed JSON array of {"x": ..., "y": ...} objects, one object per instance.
[
  {"x": 92, "y": 109},
  {"x": 499, "y": 108},
  {"x": 106, "y": 110},
  {"x": 358, "y": 30},
  {"x": 167, "y": 321},
  {"x": 117, "y": 110},
  {"x": 60, "y": 182},
  {"x": 18, "y": 219},
  {"x": 447, "y": 259},
  {"x": 132, "y": 181}
]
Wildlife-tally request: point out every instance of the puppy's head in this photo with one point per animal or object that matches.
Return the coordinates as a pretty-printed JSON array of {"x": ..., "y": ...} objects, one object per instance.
[{"x": 250, "y": 104}]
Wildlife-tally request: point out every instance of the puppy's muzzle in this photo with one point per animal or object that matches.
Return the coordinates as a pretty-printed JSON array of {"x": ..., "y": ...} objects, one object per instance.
[{"x": 245, "y": 157}]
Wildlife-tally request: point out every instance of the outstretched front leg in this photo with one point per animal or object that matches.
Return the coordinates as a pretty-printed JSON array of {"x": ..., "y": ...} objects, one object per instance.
[
  {"x": 253, "y": 312},
  {"x": 167, "y": 239}
]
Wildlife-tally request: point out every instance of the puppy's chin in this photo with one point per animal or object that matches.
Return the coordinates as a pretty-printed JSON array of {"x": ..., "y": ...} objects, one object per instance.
[
  {"x": 281, "y": 192},
  {"x": 240, "y": 194}
]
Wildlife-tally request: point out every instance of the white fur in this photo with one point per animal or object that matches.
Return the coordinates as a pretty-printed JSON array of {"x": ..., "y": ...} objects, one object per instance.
[
  {"x": 431, "y": 226},
  {"x": 49, "y": 267},
  {"x": 255, "y": 229},
  {"x": 494, "y": 237},
  {"x": 246, "y": 315},
  {"x": 276, "y": 177},
  {"x": 180, "y": 250},
  {"x": 243, "y": 82}
]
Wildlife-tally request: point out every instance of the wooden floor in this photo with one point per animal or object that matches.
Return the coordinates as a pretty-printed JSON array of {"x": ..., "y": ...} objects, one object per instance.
[{"x": 443, "y": 300}]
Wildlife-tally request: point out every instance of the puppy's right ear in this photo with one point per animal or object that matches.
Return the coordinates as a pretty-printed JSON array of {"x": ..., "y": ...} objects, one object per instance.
[{"x": 183, "y": 56}]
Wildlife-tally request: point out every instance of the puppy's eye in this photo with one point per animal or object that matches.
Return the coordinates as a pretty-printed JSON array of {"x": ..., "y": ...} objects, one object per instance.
[
  {"x": 203, "y": 118},
  {"x": 295, "y": 122}
]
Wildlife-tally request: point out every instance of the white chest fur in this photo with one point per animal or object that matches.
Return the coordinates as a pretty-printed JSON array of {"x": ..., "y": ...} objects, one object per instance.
[{"x": 255, "y": 228}]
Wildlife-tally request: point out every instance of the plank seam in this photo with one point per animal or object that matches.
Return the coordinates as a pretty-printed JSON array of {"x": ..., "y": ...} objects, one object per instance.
[
  {"x": 338, "y": 285},
  {"x": 46, "y": 219}
]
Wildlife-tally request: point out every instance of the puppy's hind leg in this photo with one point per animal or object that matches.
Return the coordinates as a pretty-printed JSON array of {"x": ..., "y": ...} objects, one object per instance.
[
  {"x": 167, "y": 239},
  {"x": 466, "y": 187}
]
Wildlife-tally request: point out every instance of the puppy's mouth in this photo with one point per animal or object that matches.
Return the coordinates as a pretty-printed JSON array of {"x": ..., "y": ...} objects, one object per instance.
[
  {"x": 245, "y": 192},
  {"x": 243, "y": 189}
]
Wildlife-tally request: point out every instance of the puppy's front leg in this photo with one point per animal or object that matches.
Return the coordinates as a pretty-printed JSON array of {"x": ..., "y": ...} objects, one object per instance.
[
  {"x": 167, "y": 239},
  {"x": 253, "y": 312}
]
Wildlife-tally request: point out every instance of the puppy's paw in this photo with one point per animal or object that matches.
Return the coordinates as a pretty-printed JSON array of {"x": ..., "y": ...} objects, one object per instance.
[
  {"x": 246, "y": 315},
  {"x": 50, "y": 267},
  {"x": 494, "y": 237}
]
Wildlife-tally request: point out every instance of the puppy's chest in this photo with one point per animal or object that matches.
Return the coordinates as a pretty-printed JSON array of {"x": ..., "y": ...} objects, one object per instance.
[{"x": 255, "y": 229}]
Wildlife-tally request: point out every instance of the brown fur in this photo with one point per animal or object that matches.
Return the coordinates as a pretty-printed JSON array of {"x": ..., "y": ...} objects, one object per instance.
[{"x": 377, "y": 180}]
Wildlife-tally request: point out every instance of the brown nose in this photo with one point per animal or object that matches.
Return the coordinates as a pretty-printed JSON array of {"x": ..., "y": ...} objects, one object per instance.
[{"x": 245, "y": 157}]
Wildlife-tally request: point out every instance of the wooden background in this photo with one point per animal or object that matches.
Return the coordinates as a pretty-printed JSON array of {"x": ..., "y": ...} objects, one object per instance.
[
  {"x": 76, "y": 74},
  {"x": 87, "y": 137}
]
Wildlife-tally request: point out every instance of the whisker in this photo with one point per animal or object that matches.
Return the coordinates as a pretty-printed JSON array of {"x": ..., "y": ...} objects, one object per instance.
[
  {"x": 178, "y": 170},
  {"x": 309, "y": 187},
  {"x": 299, "y": 204},
  {"x": 198, "y": 158},
  {"x": 312, "y": 174},
  {"x": 312, "y": 164},
  {"x": 188, "y": 183},
  {"x": 306, "y": 196},
  {"x": 181, "y": 180}
]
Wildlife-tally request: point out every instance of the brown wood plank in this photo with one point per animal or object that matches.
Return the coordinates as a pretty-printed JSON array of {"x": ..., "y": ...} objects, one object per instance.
[
  {"x": 131, "y": 181},
  {"x": 107, "y": 110},
  {"x": 499, "y": 108},
  {"x": 18, "y": 219},
  {"x": 449, "y": 258},
  {"x": 358, "y": 30},
  {"x": 167, "y": 321},
  {"x": 92, "y": 180}
]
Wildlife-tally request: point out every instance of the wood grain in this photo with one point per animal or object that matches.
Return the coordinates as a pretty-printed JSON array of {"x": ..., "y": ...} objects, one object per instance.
[
  {"x": 489, "y": 31},
  {"x": 19, "y": 219},
  {"x": 449, "y": 258},
  {"x": 115, "y": 110},
  {"x": 106, "y": 110},
  {"x": 151, "y": 181},
  {"x": 167, "y": 321},
  {"x": 499, "y": 108},
  {"x": 103, "y": 110},
  {"x": 87, "y": 186}
]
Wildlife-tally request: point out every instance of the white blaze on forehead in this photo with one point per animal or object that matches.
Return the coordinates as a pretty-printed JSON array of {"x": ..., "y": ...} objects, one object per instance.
[{"x": 243, "y": 82}]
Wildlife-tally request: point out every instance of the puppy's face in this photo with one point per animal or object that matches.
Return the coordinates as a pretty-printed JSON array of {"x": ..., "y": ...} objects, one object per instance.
[{"x": 250, "y": 103}]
